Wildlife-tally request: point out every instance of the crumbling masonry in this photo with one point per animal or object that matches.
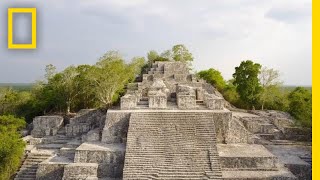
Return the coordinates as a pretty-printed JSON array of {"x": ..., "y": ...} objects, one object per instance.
[{"x": 171, "y": 125}]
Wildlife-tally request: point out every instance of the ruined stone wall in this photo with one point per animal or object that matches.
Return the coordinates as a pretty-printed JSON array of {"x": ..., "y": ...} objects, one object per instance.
[
  {"x": 50, "y": 170},
  {"x": 46, "y": 125},
  {"x": 85, "y": 122},
  {"x": 80, "y": 171},
  {"x": 237, "y": 133},
  {"x": 109, "y": 157},
  {"x": 117, "y": 122},
  {"x": 221, "y": 122},
  {"x": 116, "y": 127}
]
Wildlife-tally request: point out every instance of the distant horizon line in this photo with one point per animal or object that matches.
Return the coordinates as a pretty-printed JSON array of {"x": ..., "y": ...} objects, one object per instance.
[{"x": 17, "y": 83}]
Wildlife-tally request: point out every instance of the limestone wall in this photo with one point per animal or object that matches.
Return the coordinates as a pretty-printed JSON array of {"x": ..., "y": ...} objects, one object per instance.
[
  {"x": 50, "y": 170},
  {"x": 85, "y": 122},
  {"x": 221, "y": 121},
  {"x": 237, "y": 133},
  {"x": 86, "y": 171},
  {"x": 128, "y": 101},
  {"x": 116, "y": 127},
  {"x": 92, "y": 136},
  {"x": 109, "y": 157},
  {"x": 117, "y": 122},
  {"x": 158, "y": 101},
  {"x": 46, "y": 125},
  {"x": 186, "y": 101}
]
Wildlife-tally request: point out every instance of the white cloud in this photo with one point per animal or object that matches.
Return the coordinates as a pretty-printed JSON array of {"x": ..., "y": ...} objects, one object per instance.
[{"x": 219, "y": 33}]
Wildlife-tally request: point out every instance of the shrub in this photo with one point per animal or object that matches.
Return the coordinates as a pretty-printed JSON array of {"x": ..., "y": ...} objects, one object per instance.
[{"x": 11, "y": 145}]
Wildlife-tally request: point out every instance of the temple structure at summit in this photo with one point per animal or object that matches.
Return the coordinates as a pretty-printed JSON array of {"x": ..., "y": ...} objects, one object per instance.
[{"x": 170, "y": 125}]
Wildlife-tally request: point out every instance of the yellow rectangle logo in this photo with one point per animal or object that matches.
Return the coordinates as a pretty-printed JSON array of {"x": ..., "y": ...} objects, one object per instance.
[{"x": 33, "y": 12}]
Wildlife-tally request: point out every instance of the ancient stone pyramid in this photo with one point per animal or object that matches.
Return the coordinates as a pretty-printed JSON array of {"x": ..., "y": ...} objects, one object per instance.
[{"x": 170, "y": 125}]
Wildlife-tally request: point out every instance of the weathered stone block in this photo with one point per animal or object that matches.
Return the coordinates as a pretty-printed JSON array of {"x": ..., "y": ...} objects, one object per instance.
[
  {"x": 246, "y": 157},
  {"x": 46, "y": 125},
  {"x": 50, "y": 170},
  {"x": 76, "y": 171},
  {"x": 236, "y": 132},
  {"x": 280, "y": 123},
  {"x": 214, "y": 102},
  {"x": 180, "y": 77},
  {"x": 116, "y": 127},
  {"x": 110, "y": 158},
  {"x": 77, "y": 129},
  {"x": 159, "y": 101},
  {"x": 91, "y": 136},
  {"x": 186, "y": 101},
  {"x": 128, "y": 101}
]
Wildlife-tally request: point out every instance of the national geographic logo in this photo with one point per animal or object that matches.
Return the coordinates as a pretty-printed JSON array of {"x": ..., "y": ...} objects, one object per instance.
[{"x": 33, "y": 12}]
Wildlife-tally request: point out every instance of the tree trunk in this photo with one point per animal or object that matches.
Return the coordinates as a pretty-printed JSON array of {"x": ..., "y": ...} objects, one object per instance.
[{"x": 68, "y": 107}]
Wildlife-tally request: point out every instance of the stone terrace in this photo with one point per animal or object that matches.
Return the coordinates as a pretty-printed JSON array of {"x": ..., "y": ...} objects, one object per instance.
[
  {"x": 175, "y": 145},
  {"x": 170, "y": 125}
]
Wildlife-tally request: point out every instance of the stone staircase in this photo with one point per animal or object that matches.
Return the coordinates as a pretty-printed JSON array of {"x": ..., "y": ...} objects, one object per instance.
[
  {"x": 57, "y": 143},
  {"x": 143, "y": 103},
  {"x": 171, "y": 145},
  {"x": 262, "y": 127},
  {"x": 289, "y": 142},
  {"x": 29, "y": 167}
]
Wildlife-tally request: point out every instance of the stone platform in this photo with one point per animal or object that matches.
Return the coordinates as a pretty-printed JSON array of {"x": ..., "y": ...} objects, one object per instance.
[
  {"x": 250, "y": 161},
  {"x": 170, "y": 125},
  {"x": 110, "y": 157},
  {"x": 297, "y": 158}
]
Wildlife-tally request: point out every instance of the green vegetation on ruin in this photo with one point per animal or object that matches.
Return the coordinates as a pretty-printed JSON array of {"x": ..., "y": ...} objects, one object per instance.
[{"x": 102, "y": 84}]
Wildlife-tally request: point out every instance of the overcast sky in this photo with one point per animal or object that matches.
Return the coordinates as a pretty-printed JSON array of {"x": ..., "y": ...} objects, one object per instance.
[{"x": 219, "y": 33}]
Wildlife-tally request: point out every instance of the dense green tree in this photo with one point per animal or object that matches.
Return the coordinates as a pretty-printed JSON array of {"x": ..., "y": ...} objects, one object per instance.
[
  {"x": 138, "y": 66},
  {"x": 270, "y": 83},
  {"x": 111, "y": 74},
  {"x": 300, "y": 106},
  {"x": 247, "y": 82},
  {"x": 181, "y": 53},
  {"x": 11, "y": 99},
  {"x": 152, "y": 57},
  {"x": 165, "y": 56},
  {"x": 68, "y": 86},
  {"x": 86, "y": 97},
  {"x": 231, "y": 95},
  {"x": 279, "y": 99},
  {"x": 213, "y": 77},
  {"x": 11, "y": 145}
]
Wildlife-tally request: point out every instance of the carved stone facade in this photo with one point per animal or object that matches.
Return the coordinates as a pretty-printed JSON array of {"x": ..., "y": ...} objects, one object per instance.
[
  {"x": 46, "y": 125},
  {"x": 172, "y": 82},
  {"x": 171, "y": 125}
]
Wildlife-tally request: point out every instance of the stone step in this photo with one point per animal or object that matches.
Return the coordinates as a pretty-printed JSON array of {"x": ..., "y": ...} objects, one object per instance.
[
  {"x": 258, "y": 175},
  {"x": 37, "y": 160},
  {"x": 289, "y": 142},
  {"x": 168, "y": 146},
  {"x": 307, "y": 159},
  {"x": 23, "y": 178},
  {"x": 30, "y": 165},
  {"x": 37, "y": 156},
  {"x": 61, "y": 131},
  {"x": 267, "y": 136},
  {"x": 27, "y": 172},
  {"x": 26, "y": 176},
  {"x": 144, "y": 99},
  {"x": 267, "y": 128},
  {"x": 143, "y": 103},
  {"x": 60, "y": 141},
  {"x": 49, "y": 146}
]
